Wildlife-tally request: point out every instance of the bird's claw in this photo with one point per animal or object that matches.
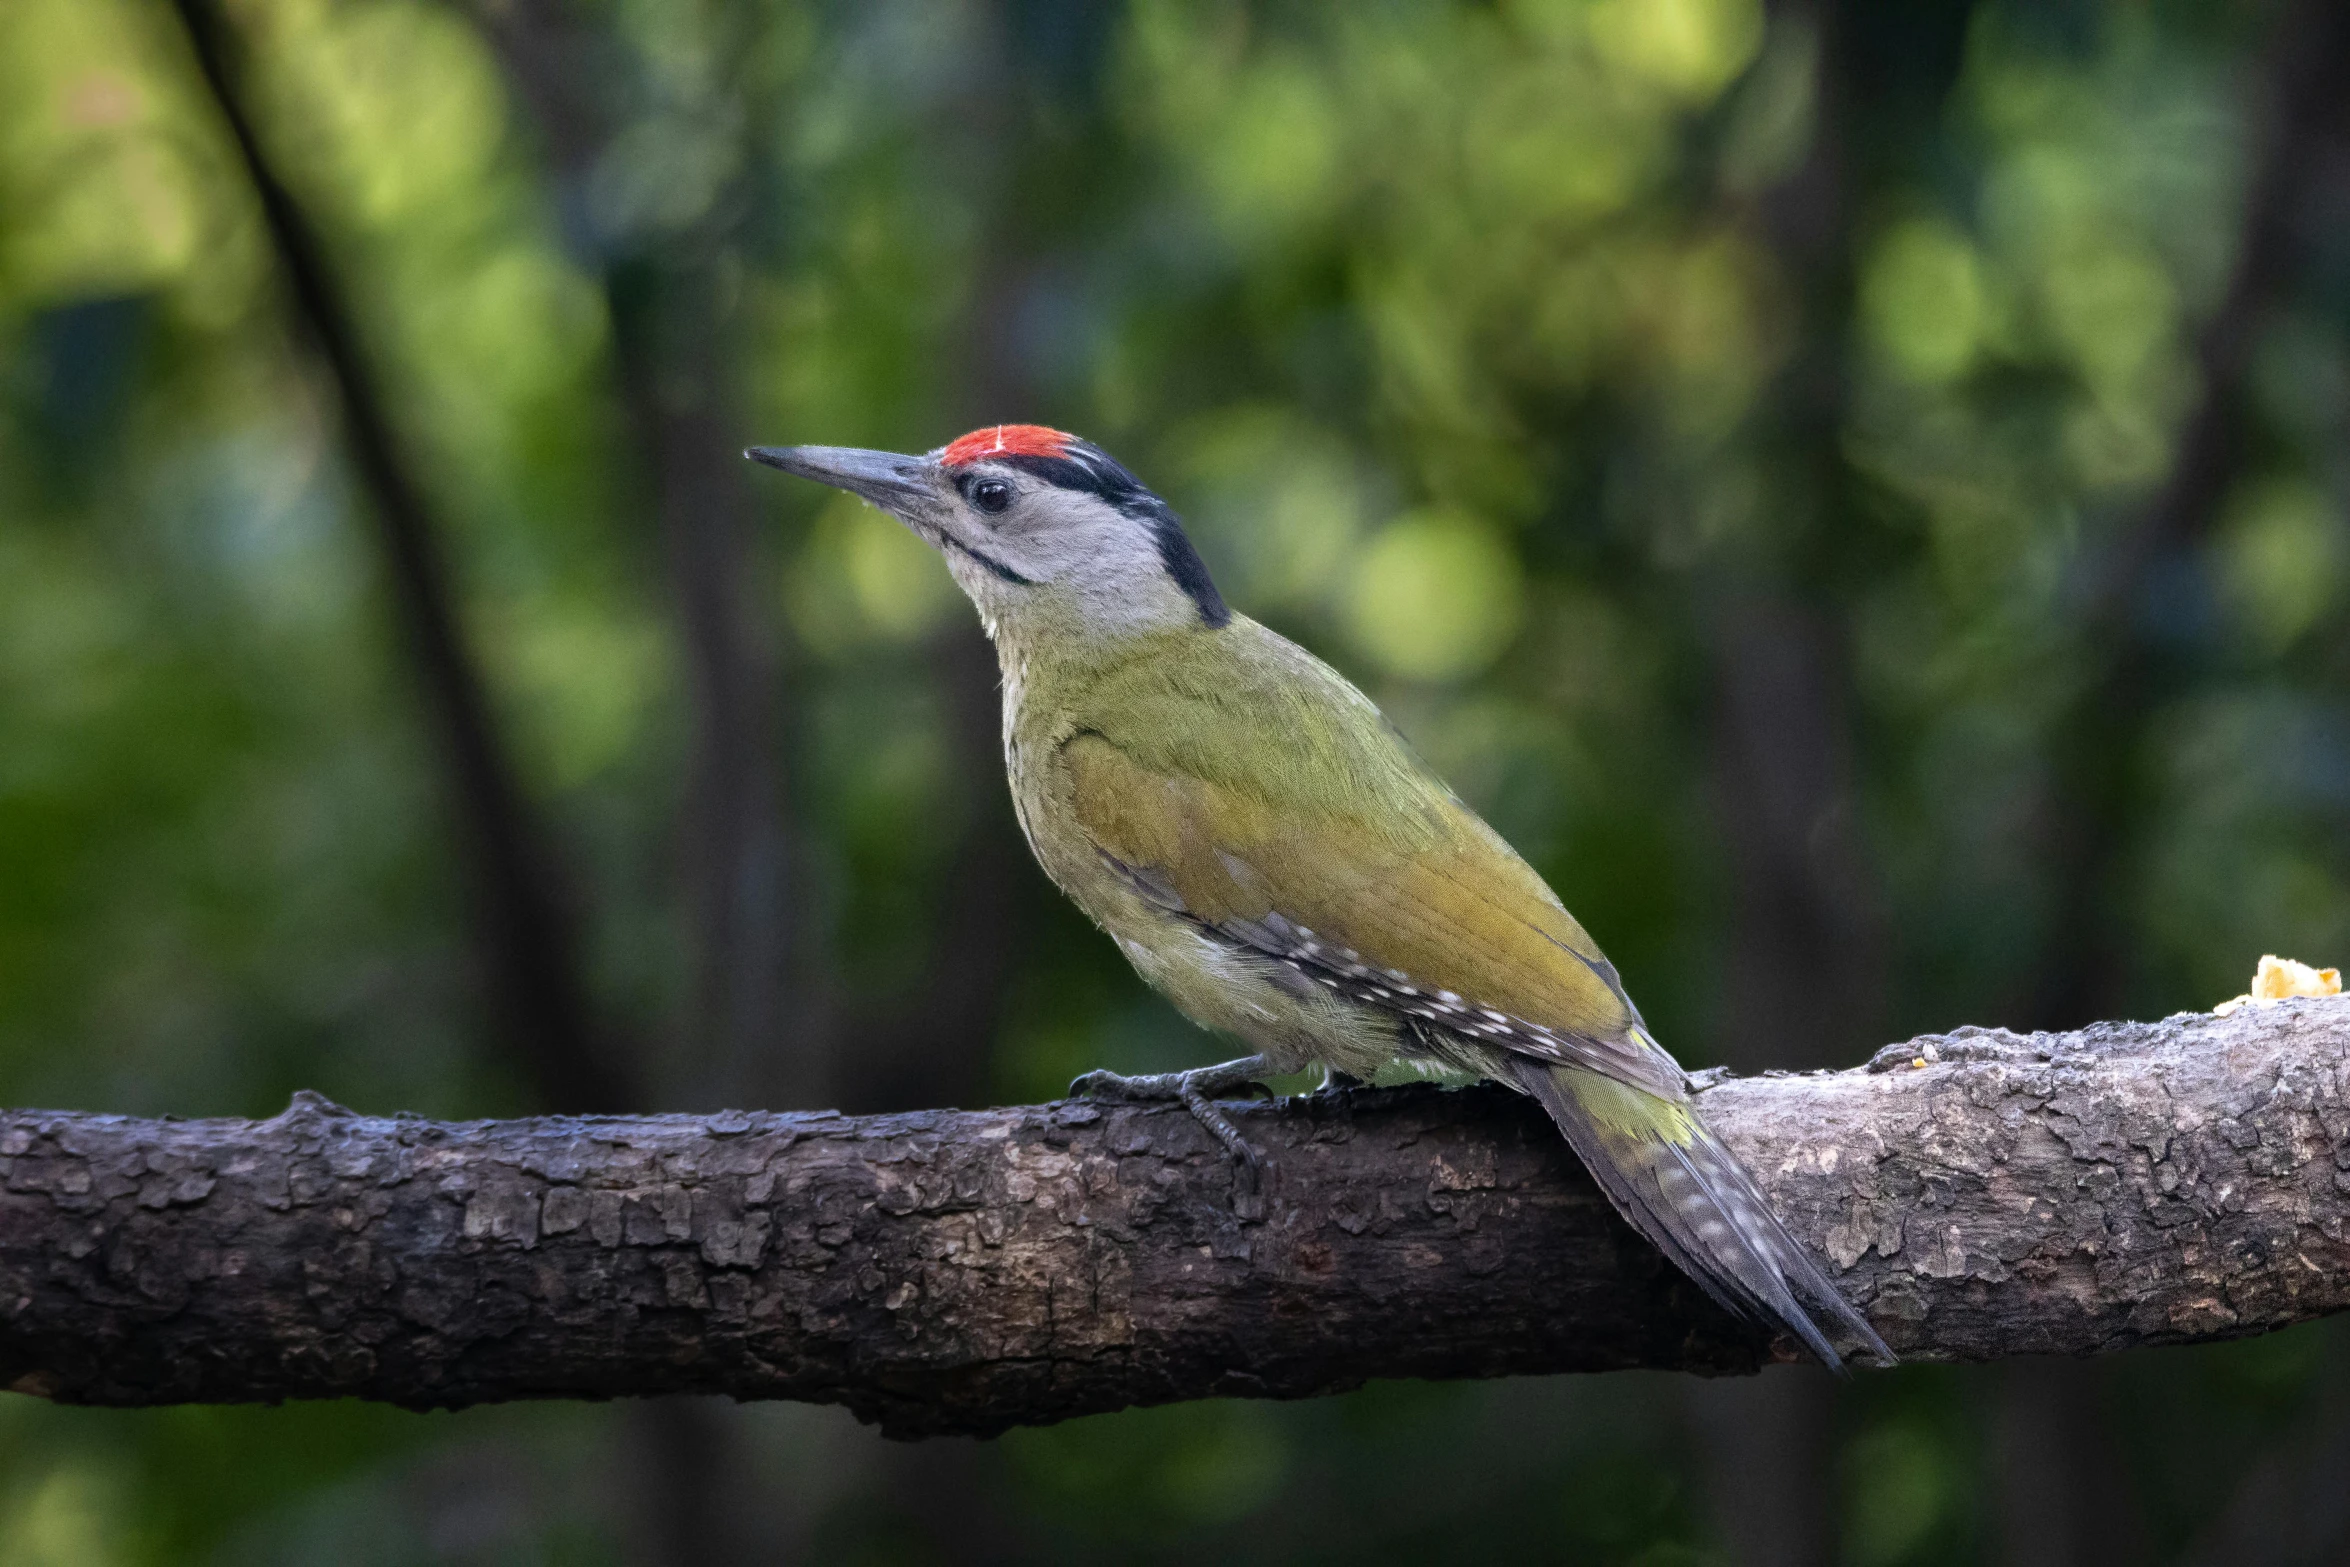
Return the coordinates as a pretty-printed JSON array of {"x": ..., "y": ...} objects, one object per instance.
[
  {"x": 1102, "y": 1084},
  {"x": 1193, "y": 1090},
  {"x": 1146, "y": 1087}
]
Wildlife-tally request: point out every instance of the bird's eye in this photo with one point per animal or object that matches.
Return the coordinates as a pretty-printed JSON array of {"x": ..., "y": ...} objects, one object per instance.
[{"x": 991, "y": 495}]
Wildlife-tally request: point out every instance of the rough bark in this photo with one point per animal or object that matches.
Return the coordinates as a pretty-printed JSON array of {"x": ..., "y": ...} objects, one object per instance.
[{"x": 967, "y": 1271}]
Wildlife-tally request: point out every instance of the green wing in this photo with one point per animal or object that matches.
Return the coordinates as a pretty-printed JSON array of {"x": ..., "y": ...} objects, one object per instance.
[{"x": 1333, "y": 849}]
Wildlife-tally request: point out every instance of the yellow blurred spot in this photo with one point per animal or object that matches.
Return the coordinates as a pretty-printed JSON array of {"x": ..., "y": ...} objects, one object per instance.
[
  {"x": 587, "y": 681},
  {"x": 1902, "y": 1489},
  {"x": 2280, "y": 979},
  {"x": 1276, "y": 503},
  {"x": 1538, "y": 149},
  {"x": 1923, "y": 300},
  {"x": 899, "y": 582},
  {"x": 1272, "y": 163},
  {"x": 97, "y": 170},
  {"x": 66, "y": 1520},
  {"x": 2280, "y": 559},
  {"x": 401, "y": 105},
  {"x": 1690, "y": 48},
  {"x": 100, "y": 100},
  {"x": 865, "y": 579},
  {"x": 1437, "y": 596}
]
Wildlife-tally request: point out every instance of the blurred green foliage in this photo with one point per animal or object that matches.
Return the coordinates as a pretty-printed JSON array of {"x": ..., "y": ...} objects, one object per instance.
[{"x": 1457, "y": 331}]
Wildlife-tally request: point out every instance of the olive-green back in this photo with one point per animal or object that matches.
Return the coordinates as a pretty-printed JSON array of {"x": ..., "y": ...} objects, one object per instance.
[{"x": 1253, "y": 780}]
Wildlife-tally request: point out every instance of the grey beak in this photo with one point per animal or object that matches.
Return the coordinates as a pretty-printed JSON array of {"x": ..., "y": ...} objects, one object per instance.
[{"x": 886, "y": 479}]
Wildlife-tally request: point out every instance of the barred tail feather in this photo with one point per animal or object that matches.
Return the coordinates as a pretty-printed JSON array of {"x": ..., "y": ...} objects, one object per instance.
[{"x": 1698, "y": 1205}]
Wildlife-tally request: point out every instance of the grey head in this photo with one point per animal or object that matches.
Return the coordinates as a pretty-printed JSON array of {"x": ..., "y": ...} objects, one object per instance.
[{"x": 1035, "y": 525}]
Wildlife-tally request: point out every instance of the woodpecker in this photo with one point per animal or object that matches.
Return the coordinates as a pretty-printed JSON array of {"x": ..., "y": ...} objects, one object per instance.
[{"x": 1272, "y": 857}]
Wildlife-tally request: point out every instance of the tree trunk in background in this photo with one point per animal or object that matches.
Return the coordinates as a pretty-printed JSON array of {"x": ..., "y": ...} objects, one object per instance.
[
  {"x": 675, "y": 378},
  {"x": 937, "y": 1048},
  {"x": 674, "y": 382},
  {"x": 2064, "y": 1495},
  {"x": 683, "y": 1482},
  {"x": 1802, "y": 969},
  {"x": 542, "y": 1017},
  {"x": 2292, "y": 1508},
  {"x": 940, "y": 1049},
  {"x": 528, "y": 935},
  {"x": 2102, "y": 783},
  {"x": 1805, "y": 947},
  {"x": 735, "y": 1045},
  {"x": 937, "y": 1044},
  {"x": 1807, "y": 950}
]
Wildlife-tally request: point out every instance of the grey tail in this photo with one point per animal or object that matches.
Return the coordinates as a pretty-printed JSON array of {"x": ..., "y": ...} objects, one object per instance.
[{"x": 1698, "y": 1205}]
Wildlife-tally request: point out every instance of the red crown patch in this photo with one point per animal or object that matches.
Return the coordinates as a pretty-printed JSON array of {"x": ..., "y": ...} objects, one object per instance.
[{"x": 1006, "y": 440}]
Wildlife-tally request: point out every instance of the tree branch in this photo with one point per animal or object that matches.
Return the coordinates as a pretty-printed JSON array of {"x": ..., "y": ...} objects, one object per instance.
[{"x": 968, "y": 1271}]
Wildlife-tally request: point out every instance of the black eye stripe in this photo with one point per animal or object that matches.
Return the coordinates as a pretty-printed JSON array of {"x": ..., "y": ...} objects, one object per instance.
[{"x": 1087, "y": 469}]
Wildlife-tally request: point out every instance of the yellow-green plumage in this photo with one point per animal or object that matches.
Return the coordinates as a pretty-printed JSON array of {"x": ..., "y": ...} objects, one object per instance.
[
  {"x": 1273, "y": 858},
  {"x": 1253, "y": 780}
]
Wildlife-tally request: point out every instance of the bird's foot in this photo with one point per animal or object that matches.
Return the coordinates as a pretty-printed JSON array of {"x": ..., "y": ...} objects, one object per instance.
[
  {"x": 1335, "y": 1082},
  {"x": 1196, "y": 1090}
]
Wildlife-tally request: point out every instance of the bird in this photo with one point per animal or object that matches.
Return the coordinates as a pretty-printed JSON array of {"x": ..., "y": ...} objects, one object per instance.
[{"x": 1272, "y": 856}]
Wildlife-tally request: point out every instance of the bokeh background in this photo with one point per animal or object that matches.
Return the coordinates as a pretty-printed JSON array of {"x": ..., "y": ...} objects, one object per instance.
[{"x": 1856, "y": 492}]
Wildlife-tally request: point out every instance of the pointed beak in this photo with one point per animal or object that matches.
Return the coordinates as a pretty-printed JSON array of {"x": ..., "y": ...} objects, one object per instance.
[{"x": 888, "y": 480}]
